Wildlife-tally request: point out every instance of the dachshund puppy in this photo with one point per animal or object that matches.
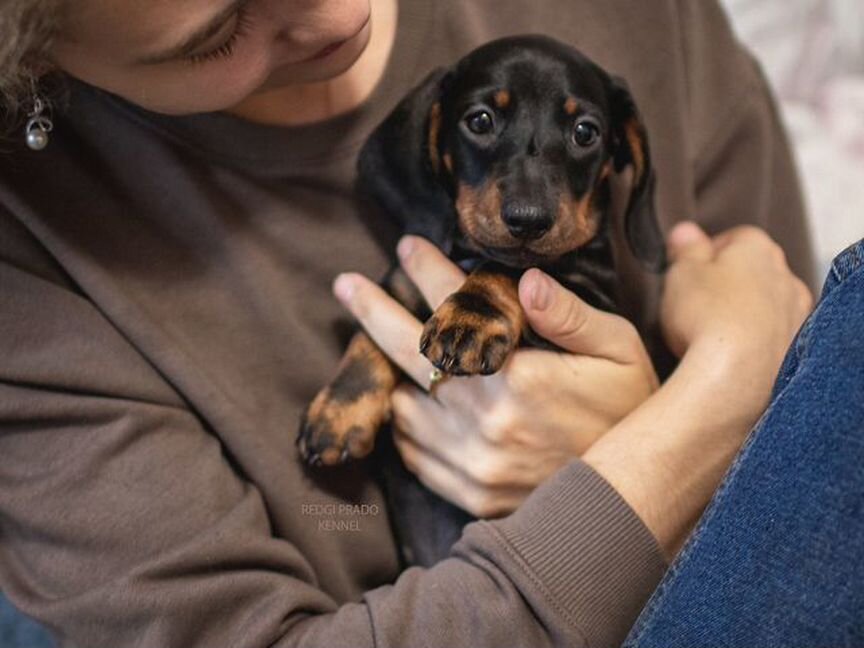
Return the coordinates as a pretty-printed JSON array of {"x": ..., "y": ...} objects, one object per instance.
[{"x": 504, "y": 161}]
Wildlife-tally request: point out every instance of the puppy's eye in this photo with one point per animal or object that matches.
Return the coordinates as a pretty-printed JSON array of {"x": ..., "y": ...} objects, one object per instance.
[
  {"x": 480, "y": 122},
  {"x": 585, "y": 133}
]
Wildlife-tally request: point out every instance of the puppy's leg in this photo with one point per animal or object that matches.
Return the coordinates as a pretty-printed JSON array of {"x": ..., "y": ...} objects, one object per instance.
[
  {"x": 476, "y": 328},
  {"x": 341, "y": 422}
]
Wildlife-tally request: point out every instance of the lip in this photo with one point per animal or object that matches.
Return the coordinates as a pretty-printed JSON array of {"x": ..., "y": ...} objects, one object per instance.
[
  {"x": 326, "y": 51},
  {"x": 332, "y": 48}
]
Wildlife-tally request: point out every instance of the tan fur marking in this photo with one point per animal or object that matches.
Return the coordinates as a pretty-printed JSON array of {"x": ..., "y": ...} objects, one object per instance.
[
  {"x": 355, "y": 424},
  {"x": 578, "y": 219},
  {"x": 502, "y": 99},
  {"x": 634, "y": 139},
  {"x": 605, "y": 172},
  {"x": 448, "y": 162},
  {"x": 479, "y": 218},
  {"x": 571, "y": 105},
  {"x": 479, "y": 211},
  {"x": 461, "y": 338},
  {"x": 447, "y": 316},
  {"x": 500, "y": 290},
  {"x": 434, "y": 131}
]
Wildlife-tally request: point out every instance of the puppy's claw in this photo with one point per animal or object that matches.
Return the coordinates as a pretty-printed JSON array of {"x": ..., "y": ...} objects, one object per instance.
[{"x": 425, "y": 341}]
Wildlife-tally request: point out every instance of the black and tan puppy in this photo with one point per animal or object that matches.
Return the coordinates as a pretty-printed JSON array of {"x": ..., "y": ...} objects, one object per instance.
[{"x": 504, "y": 161}]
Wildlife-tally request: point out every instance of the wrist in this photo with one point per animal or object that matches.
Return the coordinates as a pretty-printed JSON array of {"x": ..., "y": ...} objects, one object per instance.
[
  {"x": 668, "y": 456},
  {"x": 736, "y": 367}
]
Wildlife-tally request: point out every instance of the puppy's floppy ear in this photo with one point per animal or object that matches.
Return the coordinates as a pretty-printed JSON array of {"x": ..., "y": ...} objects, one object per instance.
[
  {"x": 400, "y": 164},
  {"x": 630, "y": 147}
]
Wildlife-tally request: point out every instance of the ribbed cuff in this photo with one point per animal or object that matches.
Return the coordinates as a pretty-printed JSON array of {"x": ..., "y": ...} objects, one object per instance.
[{"x": 590, "y": 551}]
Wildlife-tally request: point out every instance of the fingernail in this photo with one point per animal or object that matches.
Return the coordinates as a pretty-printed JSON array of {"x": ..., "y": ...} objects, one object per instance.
[
  {"x": 344, "y": 287},
  {"x": 541, "y": 292},
  {"x": 405, "y": 248}
]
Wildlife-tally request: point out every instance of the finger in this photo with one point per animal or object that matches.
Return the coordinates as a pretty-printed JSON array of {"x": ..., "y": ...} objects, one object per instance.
[
  {"x": 395, "y": 330},
  {"x": 412, "y": 408},
  {"x": 433, "y": 473},
  {"x": 435, "y": 276},
  {"x": 561, "y": 317},
  {"x": 422, "y": 418},
  {"x": 688, "y": 241},
  {"x": 452, "y": 485}
]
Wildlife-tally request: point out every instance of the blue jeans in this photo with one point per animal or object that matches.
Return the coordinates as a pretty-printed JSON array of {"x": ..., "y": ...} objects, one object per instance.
[
  {"x": 17, "y": 631},
  {"x": 778, "y": 557}
]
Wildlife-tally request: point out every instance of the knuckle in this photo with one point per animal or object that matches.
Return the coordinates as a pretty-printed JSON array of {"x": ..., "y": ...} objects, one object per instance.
[
  {"x": 404, "y": 394},
  {"x": 481, "y": 503},
  {"x": 630, "y": 337},
  {"x": 413, "y": 263},
  {"x": 574, "y": 317},
  {"x": 402, "y": 421},
  {"x": 778, "y": 254},
  {"x": 487, "y": 473},
  {"x": 498, "y": 427},
  {"x": 751, "y": 233},
  {"x": 360, "y": 305}
]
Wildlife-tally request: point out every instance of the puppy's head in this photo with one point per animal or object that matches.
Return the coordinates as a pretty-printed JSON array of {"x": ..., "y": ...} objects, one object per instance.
[{"x": 513, "y": 148}]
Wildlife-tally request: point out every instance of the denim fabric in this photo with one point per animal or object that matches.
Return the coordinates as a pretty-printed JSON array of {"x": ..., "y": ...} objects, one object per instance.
[
  {"x": 778, "y": 557},
  {"x": 17, "y": 631}
]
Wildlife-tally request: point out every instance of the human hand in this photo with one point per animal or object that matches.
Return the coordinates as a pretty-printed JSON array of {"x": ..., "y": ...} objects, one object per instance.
[
  {"x": 736, "y": 299},
  {"x": 731, "y": 307},
  {"x": 485, "y": 442}
]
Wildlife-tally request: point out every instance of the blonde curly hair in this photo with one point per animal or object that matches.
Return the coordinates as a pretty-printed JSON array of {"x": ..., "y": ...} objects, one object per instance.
[{"x": 27, "y": 28}]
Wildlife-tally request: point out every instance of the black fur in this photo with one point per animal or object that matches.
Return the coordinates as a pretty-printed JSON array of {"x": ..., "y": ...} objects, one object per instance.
[{"x": 534, "y": 164}]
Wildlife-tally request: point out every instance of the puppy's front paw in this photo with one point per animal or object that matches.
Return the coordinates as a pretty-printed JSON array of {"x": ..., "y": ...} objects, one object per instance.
[
  {"x": 334, "y": 431},
  {"x": 341, "y": 422},
  {"x": 469, "y": 334}
]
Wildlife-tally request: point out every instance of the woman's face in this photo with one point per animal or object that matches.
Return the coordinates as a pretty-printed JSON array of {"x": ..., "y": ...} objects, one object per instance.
[{"x": 185, "y": 56}]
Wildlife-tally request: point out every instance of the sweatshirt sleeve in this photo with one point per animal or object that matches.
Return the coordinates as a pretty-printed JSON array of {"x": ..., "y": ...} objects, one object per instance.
[
  {"x": 743, "y": 167},
  {"x": 123, "y": 522}
]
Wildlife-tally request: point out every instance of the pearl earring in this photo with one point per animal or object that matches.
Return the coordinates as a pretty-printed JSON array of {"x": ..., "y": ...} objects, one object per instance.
[{"x": 38, "y": 125}]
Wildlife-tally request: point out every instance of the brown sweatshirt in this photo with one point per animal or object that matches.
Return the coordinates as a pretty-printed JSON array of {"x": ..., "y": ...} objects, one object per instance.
[{"x": 165, "y": 315}]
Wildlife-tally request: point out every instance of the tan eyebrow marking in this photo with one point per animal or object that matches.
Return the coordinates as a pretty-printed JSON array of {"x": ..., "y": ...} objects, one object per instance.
[
  {"x": 571, "y": 105},
  {"x": 502, "y": 99}
]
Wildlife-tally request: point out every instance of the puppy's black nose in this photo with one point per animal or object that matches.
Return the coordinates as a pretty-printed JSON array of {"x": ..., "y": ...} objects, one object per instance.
[{"x": 526, "y": 221}]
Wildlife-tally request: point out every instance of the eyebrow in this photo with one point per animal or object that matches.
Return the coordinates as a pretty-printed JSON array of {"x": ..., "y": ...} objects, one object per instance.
[{"x": 194, "y": 40}]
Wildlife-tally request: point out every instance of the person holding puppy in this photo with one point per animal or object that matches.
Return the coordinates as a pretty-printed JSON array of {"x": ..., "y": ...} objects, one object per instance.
[{"x": 173, "y": 211}]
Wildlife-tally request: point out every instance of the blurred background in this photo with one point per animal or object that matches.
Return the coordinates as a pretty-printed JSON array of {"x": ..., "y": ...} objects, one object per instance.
[{"x": 813, "y": 53}]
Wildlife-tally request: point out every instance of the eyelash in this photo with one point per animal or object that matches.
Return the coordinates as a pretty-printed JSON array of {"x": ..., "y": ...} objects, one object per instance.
[{"x": 226, "y": 49}]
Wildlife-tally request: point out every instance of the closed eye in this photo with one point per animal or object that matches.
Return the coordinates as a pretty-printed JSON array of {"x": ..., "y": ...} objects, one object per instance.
[{"x": 226, "y": 48}]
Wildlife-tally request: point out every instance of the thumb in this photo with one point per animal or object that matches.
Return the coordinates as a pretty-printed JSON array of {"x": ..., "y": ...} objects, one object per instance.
[
  {"x": 688, "y": 241},
  {"x": 561, "y": 317}
]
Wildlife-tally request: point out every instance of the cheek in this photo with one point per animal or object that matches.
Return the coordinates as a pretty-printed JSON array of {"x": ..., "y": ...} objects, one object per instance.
[{"x": 311, "y": 23}]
